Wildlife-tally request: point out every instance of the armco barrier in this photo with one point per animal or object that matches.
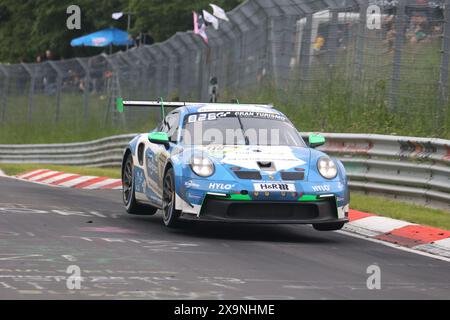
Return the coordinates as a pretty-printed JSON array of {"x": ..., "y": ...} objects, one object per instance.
[
  {"x": 416, "y": 169},
  {"x": 98, "y": 153},
  {"x": 411, "y": 168}
]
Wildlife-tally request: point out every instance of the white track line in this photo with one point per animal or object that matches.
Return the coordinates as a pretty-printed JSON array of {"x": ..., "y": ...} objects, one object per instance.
[{"x": 2, "y": 174}]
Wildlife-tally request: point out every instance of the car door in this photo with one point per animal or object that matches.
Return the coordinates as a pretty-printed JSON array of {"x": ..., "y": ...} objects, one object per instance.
[{"x": 156, "y": 157}]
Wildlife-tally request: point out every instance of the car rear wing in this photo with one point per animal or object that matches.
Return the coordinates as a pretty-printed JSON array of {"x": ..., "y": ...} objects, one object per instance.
[{"x": 121, "y": 104}]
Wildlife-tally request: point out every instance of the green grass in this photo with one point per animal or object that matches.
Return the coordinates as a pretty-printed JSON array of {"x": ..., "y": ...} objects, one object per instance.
[
  {"x": 14, "y": 169},
  {"x": 71, "y": 127},
  {"x": 401, "y": 210}
]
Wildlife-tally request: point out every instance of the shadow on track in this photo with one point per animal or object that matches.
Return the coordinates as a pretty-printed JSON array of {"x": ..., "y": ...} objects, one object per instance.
[{"x": 240, "y": 232}]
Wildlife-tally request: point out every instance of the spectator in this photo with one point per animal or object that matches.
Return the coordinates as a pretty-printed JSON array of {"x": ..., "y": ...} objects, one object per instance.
[
  {"x": 49, "y": 55},
  {"x": 145, "y": 38},
  {"x": 318, "y": 43},
  {"x": 417, "y": 30}
]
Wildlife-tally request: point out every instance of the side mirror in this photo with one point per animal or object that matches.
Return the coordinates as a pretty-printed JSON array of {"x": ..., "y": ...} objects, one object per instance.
[
  {"x": 159, "y": 138},
  {"x": 315, "y": 140}
]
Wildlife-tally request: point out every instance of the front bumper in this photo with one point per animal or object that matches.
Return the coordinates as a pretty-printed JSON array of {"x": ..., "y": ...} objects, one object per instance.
[{"x": 273, "y": 212}]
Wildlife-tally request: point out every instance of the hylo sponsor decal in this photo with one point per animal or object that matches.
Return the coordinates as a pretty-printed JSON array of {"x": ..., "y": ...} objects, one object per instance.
[{"x": 220, "y": 186}]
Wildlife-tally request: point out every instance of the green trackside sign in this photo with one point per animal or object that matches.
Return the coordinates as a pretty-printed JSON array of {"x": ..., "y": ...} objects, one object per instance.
[{"x": 119, "y": 104}]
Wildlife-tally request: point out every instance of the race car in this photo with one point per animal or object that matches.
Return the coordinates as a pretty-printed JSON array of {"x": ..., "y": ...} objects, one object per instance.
[{"x": 243, "y": 163}]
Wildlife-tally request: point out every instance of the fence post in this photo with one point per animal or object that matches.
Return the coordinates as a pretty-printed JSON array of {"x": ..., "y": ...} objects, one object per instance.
[
  {"x": 333, "y": 41},
  {"x": 359, "y": 54},
  {"x": 398, "y": 46},
  {"x": 4, "y": 91},
  {"x": 87, "y": 84},
  {"x": 31, "y": 91},
  {"x": 305, "y": 51},
  {"x": 143, "y": 70},
  {"x": 114, "y": 92},
  {"x": 443, "y": 77},
  {"x": 58, "y": 89},
  {"x": 154, "y": 82}
]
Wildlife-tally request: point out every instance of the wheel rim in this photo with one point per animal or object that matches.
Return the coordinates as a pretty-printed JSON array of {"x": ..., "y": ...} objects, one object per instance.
[
  {"x": 168, "y": 195},
  {"x": 127, "y": 182}
]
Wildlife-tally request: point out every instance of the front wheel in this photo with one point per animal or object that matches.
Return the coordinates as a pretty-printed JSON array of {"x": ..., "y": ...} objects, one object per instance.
[
  {"x": 170, "y": 214},
  {"x": 128, "y": 193},
  {"x": 328, "y": 226}
]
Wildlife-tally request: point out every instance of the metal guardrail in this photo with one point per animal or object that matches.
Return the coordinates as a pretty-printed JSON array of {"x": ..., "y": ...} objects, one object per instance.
[
  {"x": 98, "y": 153},
  {"x": 417, "y": 169}
]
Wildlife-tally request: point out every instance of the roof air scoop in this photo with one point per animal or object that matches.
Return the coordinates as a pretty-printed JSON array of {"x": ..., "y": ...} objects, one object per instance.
[{"x": 266, "y": 165}]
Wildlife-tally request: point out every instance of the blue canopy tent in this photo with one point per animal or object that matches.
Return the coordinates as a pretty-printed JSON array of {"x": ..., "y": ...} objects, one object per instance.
[{"x": 103, "y": 38}]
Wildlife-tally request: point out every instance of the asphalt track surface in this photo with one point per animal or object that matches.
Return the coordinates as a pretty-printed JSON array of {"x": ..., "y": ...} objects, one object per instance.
[{"x": 44, "y": 230}]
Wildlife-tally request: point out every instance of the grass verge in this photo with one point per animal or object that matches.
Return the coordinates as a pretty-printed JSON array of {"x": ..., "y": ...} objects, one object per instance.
[
  {"x": 401, "y": 210},
  {"x": 14, "y": 169}
]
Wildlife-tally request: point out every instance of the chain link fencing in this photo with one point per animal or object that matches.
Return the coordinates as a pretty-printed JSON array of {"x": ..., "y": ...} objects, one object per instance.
[{"x": 324, "y": 61}]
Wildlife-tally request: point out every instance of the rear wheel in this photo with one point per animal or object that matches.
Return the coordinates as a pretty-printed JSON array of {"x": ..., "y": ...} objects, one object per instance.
[
  {"x": 129, "y": 199},
  {"x": 170, "y": 214},
  {"x": 328, "y": 226}
]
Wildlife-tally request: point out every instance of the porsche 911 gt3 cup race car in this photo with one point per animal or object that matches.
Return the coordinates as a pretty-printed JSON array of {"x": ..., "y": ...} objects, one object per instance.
[{"x": 232, "y": 163}]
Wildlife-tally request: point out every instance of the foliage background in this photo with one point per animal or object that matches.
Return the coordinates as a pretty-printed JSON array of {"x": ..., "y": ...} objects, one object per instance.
[{"x": 28, "y": 28}]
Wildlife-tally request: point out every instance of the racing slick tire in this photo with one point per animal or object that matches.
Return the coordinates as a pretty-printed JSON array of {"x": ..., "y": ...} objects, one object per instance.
[
  {"x": 128, "y": 193},
  {"x": 170, "y": 214},
  {"x": 328, "y": 226}
]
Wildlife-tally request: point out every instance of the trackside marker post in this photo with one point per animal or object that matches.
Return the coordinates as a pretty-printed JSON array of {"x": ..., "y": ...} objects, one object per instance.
[{"x": 119, "y": 103}]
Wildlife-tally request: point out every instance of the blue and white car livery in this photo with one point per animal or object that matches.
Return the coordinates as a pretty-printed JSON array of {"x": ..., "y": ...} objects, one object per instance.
[{"x": 233, "y": 163}]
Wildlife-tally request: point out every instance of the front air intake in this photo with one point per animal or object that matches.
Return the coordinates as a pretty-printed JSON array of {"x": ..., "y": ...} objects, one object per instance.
[
  {"x": 299, "y": 175},
  {"x": 251, "y": 175}
]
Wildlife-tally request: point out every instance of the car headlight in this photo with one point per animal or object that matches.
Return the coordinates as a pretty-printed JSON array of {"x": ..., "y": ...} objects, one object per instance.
[
  {"x": 202, "y": 166},
  {"x": 327, "y": 167}
]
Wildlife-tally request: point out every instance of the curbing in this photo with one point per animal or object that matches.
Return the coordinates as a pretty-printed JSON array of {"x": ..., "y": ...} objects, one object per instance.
[
  {"x": 426, "y": 239},
  {"x": 69, "y": 180},
  {"x": 401, "y": 233}
]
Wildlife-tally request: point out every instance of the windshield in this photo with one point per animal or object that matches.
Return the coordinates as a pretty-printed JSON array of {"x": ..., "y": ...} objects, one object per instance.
[{"x": 240, "y": 128}]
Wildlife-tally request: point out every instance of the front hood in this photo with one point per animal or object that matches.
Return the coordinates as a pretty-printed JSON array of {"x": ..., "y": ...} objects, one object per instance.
[{"x": 253, "y": 157}]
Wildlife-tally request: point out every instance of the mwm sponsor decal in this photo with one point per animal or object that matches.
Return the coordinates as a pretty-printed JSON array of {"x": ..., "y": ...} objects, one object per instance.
[{"x": 321, "y": 187}]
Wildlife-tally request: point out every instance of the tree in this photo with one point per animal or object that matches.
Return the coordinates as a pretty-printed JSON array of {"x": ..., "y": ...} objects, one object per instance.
[
  {"x": 164, "y": 18},
  {"x": 28, "y": 28}
]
